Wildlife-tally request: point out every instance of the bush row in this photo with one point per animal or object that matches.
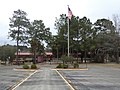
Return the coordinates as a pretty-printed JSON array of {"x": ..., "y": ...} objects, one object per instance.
[
  {"x": 76, "y": 65},
  {"x": 33, "y": 66},
  {"x": 62, "y": 66}
]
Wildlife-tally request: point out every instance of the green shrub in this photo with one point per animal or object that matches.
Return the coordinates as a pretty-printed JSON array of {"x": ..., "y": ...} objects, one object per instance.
[
  {"x": 64, "y": 58},
  {"x": 62, "y": 66},
  {"x": 65, "y": 66},
  {"x": 33, "y": 66},
  {"x": 67, "y": 59},
  {"x": 25, "y": 66},
  {"x": 59, "y": 66},
  {"x": 76, "y": 65}
]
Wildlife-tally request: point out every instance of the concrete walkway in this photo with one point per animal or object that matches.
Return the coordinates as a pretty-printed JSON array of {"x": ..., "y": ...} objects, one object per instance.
[{"x": 44, "y": 79}]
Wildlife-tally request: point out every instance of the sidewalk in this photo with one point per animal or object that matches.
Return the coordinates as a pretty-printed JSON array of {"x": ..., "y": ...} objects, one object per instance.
[{"x": 44, "y": 79}]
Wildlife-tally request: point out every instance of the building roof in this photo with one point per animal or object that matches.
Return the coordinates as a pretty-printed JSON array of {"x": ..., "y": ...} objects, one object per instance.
[
  {"x": 24, "y": 54},
  {"x": 48, "y": 53}
]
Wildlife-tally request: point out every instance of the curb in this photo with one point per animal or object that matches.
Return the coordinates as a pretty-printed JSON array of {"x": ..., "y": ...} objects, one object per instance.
[
  {"x": 70, "y": 69},
  {"x": 24, "y": 69}
]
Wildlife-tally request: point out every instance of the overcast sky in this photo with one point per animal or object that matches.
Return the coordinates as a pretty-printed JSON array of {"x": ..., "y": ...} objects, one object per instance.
[{"x": 47, "y": 10}]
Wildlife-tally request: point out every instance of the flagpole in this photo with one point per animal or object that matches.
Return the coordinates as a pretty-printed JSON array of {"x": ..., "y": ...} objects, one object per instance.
[
  {"x": 68, "y": 38},
  {"x": 69, "y": 18}
]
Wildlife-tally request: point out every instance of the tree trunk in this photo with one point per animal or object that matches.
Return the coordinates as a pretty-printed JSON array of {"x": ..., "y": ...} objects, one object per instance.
[
  {"x": 117, "y": 56},
  {"x": 85, "y": 56},
  {"x": 34, "y": 61},
  {"x": 17, "y": 46}
]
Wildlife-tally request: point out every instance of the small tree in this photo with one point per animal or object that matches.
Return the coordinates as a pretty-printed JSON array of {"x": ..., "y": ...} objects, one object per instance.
[
  {"x": 67, "y": 59},
  {"x": 18, "y": 25},
  {"x": 36, "y": 34}
]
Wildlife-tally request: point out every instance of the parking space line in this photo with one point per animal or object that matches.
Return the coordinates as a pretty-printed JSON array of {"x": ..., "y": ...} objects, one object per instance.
[
  {"x": 65, "y": 80},
  {"x": 24, "y": 80}
]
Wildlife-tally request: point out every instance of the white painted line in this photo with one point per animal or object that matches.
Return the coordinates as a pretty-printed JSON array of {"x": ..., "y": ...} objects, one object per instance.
[
  {"x": 65, "y": 80},
  {"x": 24, "y": 80},
  {"x": 69, "y": 81}
]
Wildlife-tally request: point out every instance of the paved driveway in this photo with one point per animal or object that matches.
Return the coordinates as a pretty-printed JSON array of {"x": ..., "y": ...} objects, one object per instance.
[{"x": 44, "y": 79}]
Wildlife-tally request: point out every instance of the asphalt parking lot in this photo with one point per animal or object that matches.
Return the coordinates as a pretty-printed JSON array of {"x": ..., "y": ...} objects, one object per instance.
[
  {"x": 10, "y": 77},
  {"x": 95, "y": 78}
]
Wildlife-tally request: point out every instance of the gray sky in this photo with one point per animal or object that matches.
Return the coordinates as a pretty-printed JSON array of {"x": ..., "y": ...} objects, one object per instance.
[{"x": 47, "y": 10}]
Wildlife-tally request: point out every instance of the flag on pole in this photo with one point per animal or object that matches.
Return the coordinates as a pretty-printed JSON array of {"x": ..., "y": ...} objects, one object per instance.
[{"x": 70, "y": 14}]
